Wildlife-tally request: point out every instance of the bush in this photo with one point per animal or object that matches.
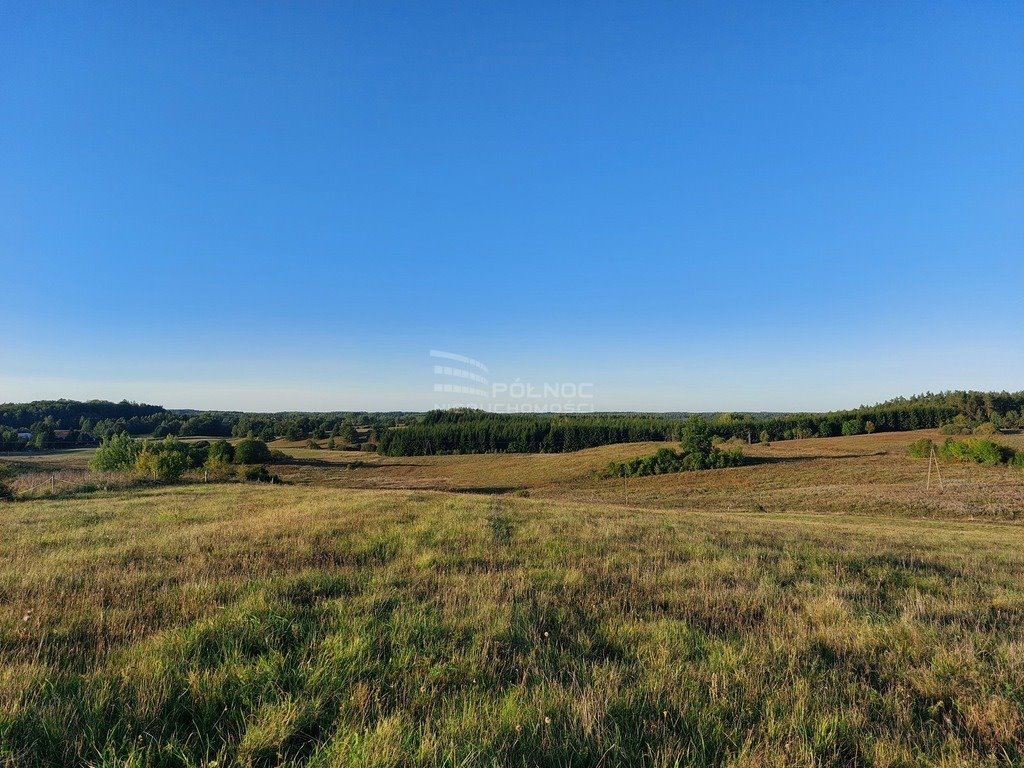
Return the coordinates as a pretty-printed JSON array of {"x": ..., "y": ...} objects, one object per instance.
[
  {"x": 981, "y": 451},
  {"x": 828, "y": 428},
  {"x": 161, "y": 465},
  {"x": 197, "y": 452},
  {"x": 260, "y": 474},
  {"x": 853, "y": 427},
  {"x": 221, "y": 451},
  {"x": 987, "y": 428},
  {"x": 116, "y": 454},
  {"x": 666, "y": 461},
  {"x": 960, "y": 425},
  {"x": 988, "y": 453},
  {"x": 252, "y": 451},
  {"x": 6, "y": 492},
  {"x": 920, "y": 449},
  {"x": 219, "y": 467}
]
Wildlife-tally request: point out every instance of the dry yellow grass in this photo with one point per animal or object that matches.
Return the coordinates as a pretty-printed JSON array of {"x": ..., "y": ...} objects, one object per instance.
[
  {"x": 817, "y": 607},
  {"x": 867, "y": 474},
  {"x": 302, "y": 625}
]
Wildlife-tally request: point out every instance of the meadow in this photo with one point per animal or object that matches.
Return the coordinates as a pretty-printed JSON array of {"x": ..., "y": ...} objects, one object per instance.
[{"x": 817, "y": 608}]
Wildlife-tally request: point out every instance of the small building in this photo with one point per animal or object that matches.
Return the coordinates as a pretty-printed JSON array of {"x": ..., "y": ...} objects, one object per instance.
[
  {"x": 61, "y": 434},
  {"x": 24, "y": 434}
]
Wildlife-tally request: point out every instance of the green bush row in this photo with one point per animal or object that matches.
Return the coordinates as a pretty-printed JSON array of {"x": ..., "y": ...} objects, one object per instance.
[
  {"x": 696, "y": 452},
  {"x": 169, "y": 459},
  {"x": 666, "y": 461},
  {"x": 977, "y": 450}
]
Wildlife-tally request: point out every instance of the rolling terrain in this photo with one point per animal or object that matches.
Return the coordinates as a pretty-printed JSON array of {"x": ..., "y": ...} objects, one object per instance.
[{"x": 819, "y": 607}]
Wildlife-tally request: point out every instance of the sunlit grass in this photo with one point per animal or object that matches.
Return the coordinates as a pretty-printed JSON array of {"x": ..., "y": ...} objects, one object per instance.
[{"x": 265, "y": 625}]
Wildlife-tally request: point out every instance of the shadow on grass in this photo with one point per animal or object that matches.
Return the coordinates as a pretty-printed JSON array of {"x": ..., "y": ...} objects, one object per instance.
[
  {"x": 354, "y": 464},
  {"x": 752, "y": 460},
  {"x": 487, "y": 490}
]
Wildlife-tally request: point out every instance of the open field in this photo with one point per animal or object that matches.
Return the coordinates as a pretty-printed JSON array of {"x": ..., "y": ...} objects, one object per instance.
[
  {"x": 869, "y": 474},
  {"x": 819, "y": 608}
]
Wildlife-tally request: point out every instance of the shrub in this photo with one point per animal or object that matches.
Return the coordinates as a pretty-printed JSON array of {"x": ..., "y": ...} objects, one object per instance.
[
  {"x": 221, "y": 451},
  {"x": 161, "y": 465},
  {"x": 980, "y": 451},
  {"x": 219, "y": 467},
  {"x": 197, "y": 452},
  {"x": 666, "y": 461},
  {"x": 986, "y": 428},
  {"x": 260, "y": 474},
  {"x": 145, "y": 464},
  {"x": 960, "y": 425},
  {"x": 988, "y": 453},
  {"x": 251, "y": 451},
  {"x": 853, "y": 427},
  {"x": 116, "y": 454},
  {"x": 920, "y": 449},
  {"x": 6, "y": 492}
]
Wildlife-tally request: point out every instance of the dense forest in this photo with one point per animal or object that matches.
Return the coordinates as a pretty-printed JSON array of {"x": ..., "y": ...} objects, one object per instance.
[
  {"x": 466, "y": 431},
  {"x": 66, "y": 423}
]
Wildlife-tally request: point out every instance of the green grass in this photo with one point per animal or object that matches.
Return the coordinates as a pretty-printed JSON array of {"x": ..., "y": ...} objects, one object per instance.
[{"x": 268, "y": 625}]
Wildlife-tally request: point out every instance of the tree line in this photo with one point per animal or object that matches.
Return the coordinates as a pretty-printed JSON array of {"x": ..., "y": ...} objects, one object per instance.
[
  {"x": 67, "y": 423},
  {"x": 472, "y": 431}
]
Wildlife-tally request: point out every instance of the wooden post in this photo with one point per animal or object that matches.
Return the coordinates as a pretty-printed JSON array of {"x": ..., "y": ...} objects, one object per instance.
[
  {"x": 933, "y": 457},
  {"x": 53, "y": 484}
]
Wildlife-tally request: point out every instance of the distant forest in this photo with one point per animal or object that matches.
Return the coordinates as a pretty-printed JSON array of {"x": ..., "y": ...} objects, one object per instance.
[
  {"x": 465, "y": 431},
  {"x": 67, "y": 423}
]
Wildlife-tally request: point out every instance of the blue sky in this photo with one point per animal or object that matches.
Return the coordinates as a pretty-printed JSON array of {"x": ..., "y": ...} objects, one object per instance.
[{"x": 692, "y": 206}]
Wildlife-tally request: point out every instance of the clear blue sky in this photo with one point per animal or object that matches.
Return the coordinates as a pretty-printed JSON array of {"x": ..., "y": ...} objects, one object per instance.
[{"x": 692, "y": 206}]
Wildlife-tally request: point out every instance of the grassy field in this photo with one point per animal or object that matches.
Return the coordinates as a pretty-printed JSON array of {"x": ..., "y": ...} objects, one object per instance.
[
  {"x": 819, "y": 608},
  {"x": 865, "y": 474}
]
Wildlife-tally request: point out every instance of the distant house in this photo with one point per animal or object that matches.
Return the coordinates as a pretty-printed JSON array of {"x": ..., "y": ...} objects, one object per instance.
[
  {"x": 24, "y": 434},
  {"x": 61, "y": 434}
]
